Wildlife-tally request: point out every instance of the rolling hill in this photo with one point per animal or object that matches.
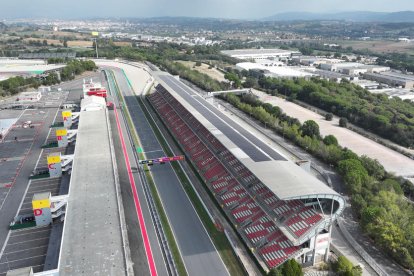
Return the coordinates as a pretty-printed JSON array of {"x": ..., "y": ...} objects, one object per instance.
[{"x": 357, "y": 16}]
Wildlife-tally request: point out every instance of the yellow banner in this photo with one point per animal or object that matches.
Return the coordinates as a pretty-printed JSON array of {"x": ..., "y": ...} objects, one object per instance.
[
  {"x": 66, "y": 114},
  {"x": 61, "y": 132},
  {"x": 54, "y": 159},
  {"x": 40, "y": 204},
  {"x": 94, "y": 33}
]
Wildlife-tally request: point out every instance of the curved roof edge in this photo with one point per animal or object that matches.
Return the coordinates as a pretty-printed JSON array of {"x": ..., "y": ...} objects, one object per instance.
[{"x": 326, "y": 222}]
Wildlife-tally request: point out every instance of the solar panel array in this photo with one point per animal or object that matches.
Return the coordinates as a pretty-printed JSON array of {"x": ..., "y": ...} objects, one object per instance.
[{"x": 47, "y": 55}]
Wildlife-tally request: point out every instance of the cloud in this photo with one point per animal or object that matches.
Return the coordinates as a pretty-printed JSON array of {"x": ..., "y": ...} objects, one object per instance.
[{"x": 196, "y": 8}]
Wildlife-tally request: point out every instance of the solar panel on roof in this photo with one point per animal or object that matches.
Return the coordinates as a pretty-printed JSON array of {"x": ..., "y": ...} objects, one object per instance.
[{"x": 47, "y": 55}]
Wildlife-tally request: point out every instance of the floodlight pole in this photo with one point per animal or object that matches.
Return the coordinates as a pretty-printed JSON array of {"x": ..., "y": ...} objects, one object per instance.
[{"x": 96, "y": 48}]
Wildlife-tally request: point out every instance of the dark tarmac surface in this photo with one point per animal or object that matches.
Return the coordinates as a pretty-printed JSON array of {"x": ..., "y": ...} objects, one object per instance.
[
  {"x": 138, "y": 254},
  {"x": 199, "y": 254},
  {"x": 27, "y": 247}
]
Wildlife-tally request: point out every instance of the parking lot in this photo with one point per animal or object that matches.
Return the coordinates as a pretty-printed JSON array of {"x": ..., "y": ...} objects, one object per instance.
[
  {"x": 16, "y": 145},
  {"x": 42, "y": 164},
  {"x": 26, "y": 247},
  {"x": 29, "y": 247},
  {"x": 39, "y": 186}
]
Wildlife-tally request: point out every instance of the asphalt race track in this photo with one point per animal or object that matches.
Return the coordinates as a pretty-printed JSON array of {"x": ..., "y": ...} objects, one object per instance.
[{"x": 198, "y": 252}]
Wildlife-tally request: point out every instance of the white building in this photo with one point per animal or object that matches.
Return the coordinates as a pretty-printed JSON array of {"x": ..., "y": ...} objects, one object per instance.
[
  {"x": 402, "y": 93},
  {"x": 353, "y": 68},
  {"x": 314, "y": 61},
  {"x": 29, "y": 97},
  {"x": 261, "y": 54},
  {"x": 91, "y": 103},
  {"x": 275, "y": 71},
  {"x": 26, "y": 69}
]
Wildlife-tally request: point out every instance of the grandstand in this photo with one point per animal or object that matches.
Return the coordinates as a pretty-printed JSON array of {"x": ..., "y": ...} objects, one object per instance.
[{"x": 279, "y": 210}]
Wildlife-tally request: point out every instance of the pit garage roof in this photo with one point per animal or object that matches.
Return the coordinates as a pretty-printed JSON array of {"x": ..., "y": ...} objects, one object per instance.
[
  {"x": 92, "y": 240},
  {"x": 92, "y": 103},
  {"x": 283, "y": 177}
]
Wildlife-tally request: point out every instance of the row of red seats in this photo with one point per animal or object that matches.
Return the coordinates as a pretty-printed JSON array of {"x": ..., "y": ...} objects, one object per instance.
[{"x": 232, "y": 194}]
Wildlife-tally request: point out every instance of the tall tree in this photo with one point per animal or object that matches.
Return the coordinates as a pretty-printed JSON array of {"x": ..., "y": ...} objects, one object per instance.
[
  {"x": 310, "y": 128},
  {"x": 291, "y": 268}
]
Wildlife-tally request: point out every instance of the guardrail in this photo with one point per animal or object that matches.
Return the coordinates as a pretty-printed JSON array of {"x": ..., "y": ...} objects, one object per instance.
[{"x": 370, "y": 261}]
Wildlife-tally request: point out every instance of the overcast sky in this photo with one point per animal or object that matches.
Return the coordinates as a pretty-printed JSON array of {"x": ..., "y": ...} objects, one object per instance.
[{"x": 247, "y": 9}]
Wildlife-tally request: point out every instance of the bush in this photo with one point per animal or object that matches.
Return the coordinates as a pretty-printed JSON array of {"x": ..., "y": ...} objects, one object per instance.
[
  {"x": 390, "y": 118},
  {"x": 330, "y": 140},
  {"x": 328, "y": 116},
  {"x": 310, "y": 128},
  {"x": 291, "y": 268},
  {"x": 198, "y": 63},
  {"x": 343, "y": 122},
  {"x": 344, "y": 267}
]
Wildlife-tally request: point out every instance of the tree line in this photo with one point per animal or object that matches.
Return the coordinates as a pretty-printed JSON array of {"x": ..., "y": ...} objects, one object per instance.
[
  {"x": 14, "y": 85},
  {"x": 378, "y": 198},
  {"x": 390, "y": 118}
]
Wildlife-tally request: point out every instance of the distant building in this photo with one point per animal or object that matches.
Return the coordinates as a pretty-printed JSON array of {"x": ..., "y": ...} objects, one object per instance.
[
  {"x": 328, "y": 75},
  {"x": 29, "y": 97},
  {"x": 331, "y": 45},
  {"x": 402, "y": 93},
  {"x": 353, "y": 68},
  {"x": 275, "y": 71},
  {"x": 14, "y": 69},
  {"x": 268, "y": 62},
  {"x": 392, "y": 79},
  {"x": 261, "y": 54},
  {"x": 368, "y": 84},
  {"x": 313, "y": 61},
  {"x": 44, "y": 89}
]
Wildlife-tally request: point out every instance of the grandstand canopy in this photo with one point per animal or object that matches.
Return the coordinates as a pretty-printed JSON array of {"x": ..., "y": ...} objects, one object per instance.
[{"x": 282, "y": 176}]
